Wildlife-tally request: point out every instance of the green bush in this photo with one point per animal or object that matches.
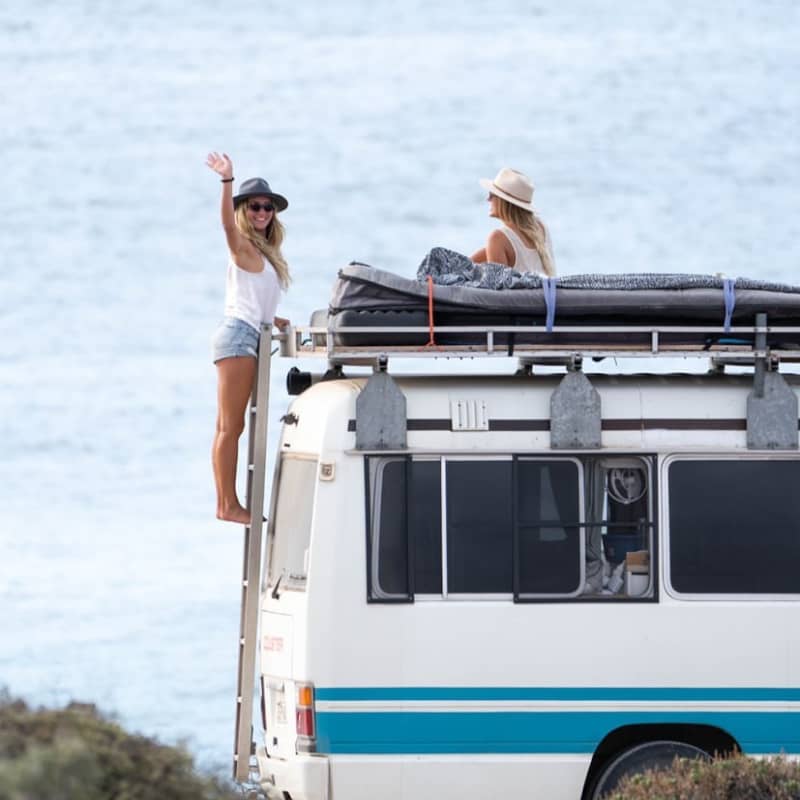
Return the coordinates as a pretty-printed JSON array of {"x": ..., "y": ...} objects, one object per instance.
[
  {"x": 734, "y": 778},
  {"x": 75, "y": 753}
]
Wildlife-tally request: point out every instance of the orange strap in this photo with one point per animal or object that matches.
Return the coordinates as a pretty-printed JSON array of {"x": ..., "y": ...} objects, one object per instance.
[{"x": 431, "y": 340}]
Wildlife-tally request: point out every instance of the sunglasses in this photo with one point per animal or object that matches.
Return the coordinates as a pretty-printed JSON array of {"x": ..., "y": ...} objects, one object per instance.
[{"x": 256, "y": 207}]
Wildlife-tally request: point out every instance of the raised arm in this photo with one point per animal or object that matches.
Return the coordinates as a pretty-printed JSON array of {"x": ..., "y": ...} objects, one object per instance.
[{"x": 222, "y": 165}]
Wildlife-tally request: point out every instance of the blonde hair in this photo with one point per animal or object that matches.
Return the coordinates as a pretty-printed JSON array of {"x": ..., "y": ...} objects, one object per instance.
[
  {"x": 530, "y": 228},
  {"x": 268, "y": 243}
]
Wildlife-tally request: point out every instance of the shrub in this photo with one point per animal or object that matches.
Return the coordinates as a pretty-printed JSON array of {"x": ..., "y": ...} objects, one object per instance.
[
  {"x": 733, "y": 778},
  {"x": 76, "y": 753}
]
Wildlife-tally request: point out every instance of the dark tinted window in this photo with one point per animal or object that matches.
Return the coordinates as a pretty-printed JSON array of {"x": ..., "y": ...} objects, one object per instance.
[
  {"x": 549, "y": 539},
  {"x": 735, "y": 526},
  {"x": 389, "y": 531},
  {"x": 479, "y": 539},
  {"x": 389, "y": 528},
  {"x": 425, "y": 517}
]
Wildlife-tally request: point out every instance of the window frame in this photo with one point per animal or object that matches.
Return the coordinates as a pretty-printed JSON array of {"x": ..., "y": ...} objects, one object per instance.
[
  {"x": 472, "y": 596},
  {"x": 649, "y": 461},
  {"x": 664, "y": 466},
  {"x": 530, "y": 597},
  {"x": 375, "y": 594},
  {"x": 652, "y": 467},
  {"x": 268, "y": 580}
]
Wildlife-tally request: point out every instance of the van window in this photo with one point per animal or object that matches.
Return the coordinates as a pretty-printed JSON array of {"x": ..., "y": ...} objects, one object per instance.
[
  {"x": 425, "y": 525},
  {"x": 290, "y": 528},
  {"x": 734, "y": 526},
  {"x": 390, "y": 525},
  {"x": 550, "y": 552},
  {"x": 401, "y": 528},
  {"x": 530, "y": 528},
  {"x": 479, "y": 532},
  {"x": 620, "y": 533}
]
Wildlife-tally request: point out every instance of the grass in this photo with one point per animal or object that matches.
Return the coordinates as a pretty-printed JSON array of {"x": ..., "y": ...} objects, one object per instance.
[
  {"x": 77, "y": 753},
  {"x": 733, "y": 778}
]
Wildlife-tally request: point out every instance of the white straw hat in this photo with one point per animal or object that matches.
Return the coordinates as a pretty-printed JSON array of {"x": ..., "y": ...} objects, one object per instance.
[{"x": 513, "y": 186}]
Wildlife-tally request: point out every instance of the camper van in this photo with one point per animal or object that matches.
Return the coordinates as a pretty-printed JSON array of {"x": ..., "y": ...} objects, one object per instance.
[{"x": 527, "y": 583}]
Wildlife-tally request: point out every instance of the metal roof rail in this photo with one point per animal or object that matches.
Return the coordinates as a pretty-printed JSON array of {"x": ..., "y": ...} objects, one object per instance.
[{"x": 533, "y": 343}]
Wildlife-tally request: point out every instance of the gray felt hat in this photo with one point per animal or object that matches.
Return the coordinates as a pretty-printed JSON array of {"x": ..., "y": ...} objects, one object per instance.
[{"x": 258, "y": 187}]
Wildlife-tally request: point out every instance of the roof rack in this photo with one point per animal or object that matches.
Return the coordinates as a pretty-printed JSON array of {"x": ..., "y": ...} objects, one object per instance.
[
  {"x": 575, "y": 420},
  {"x": 564, "y": 344}
]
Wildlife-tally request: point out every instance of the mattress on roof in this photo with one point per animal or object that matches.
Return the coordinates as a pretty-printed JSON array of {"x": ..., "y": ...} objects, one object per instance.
[{"x": 367, "y": 297}]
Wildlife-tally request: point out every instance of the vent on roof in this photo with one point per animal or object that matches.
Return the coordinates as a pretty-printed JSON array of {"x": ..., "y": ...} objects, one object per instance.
[{"x": 469, "y": 415}]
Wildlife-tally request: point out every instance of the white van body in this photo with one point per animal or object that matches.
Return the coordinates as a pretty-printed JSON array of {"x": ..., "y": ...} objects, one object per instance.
[{"x": 524, "y": 691}]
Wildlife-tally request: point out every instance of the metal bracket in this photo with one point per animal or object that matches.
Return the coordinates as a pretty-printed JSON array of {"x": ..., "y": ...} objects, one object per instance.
[
  {"x": 381, "y": 414},
  {"x": 334, "y": 372},
  {"x": 772, "y": 415},
  {"x": 575, "y": 414},
  {"x": 772, "y": 405}
]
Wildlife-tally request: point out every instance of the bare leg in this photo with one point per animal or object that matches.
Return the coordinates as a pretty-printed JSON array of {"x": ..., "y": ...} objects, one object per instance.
[{"x": 234, "y": 387}]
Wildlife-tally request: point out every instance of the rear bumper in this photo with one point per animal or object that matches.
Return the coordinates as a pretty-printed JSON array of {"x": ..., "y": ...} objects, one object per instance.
[{"x": 305, "y": 777}]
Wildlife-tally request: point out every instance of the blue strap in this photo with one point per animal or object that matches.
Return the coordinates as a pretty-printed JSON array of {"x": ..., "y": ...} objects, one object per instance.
[
  {"x": 730, "y": 300},
  {"x": 549, "y": 287}
]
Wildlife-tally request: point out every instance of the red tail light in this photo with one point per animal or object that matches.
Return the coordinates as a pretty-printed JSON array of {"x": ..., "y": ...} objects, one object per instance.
[
  {"x": 305, "y": 722},
  {"x": 304, "y": 716}
]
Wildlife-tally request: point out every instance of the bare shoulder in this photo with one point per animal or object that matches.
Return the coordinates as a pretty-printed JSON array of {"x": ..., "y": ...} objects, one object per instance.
[
  {"x": 499, "y": 248},
  {"x": 498, "y": 238}
]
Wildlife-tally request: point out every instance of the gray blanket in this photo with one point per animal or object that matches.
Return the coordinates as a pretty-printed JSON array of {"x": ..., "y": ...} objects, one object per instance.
[{"x": 448, "y": 268}]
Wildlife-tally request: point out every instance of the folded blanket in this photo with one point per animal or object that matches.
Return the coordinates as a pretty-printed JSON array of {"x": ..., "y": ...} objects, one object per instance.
[{"x": 448, "y": 268}]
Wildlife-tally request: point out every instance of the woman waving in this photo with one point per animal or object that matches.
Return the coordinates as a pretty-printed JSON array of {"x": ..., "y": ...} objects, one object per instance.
[{"x": 256, "y": 274}]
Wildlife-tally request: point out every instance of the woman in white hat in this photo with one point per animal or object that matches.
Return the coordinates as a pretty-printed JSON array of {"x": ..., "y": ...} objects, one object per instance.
[
  {"x": 257, "y": 272},
  {"x": 523, "y": 242}
]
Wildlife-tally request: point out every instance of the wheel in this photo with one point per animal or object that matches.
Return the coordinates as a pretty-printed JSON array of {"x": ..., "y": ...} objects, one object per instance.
[{"x": 650, "y": 755}]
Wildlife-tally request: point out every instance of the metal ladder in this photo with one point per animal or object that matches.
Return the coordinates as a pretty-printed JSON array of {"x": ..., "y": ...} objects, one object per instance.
[{"x": 251, "y": 572}]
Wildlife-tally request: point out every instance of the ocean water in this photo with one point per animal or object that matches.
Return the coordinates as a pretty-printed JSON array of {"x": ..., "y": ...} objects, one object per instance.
[{"x": 661, "y": 136}]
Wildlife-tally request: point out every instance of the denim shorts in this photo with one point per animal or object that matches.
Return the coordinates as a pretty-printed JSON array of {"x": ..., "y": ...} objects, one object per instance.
[{"x": 234, "y": 338}]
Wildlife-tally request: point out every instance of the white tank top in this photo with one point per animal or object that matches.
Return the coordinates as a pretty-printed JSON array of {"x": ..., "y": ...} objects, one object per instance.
[
  {"x": 526, "y": 258},
  {"x": 252, "y": 296}
]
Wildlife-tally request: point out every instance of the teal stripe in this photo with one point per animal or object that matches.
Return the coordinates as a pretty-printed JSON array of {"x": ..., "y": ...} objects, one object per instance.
[
  {"x": 701, "y": 694},
  {"x": 407, "y": 732}
]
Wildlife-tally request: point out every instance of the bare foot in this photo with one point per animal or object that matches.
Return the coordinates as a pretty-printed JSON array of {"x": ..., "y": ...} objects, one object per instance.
[{"x": 234, "y": 513}]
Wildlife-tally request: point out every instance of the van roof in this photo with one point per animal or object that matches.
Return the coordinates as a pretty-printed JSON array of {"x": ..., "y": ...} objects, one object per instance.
[{"x": 639, "y": 411}]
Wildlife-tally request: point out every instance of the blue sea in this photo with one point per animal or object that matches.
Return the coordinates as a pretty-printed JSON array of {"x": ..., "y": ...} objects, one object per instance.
[{"x": 661, "y": 136}]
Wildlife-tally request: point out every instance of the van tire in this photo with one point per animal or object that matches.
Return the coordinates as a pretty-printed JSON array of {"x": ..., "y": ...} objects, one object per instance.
[{"x": 635, "y": 760}]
